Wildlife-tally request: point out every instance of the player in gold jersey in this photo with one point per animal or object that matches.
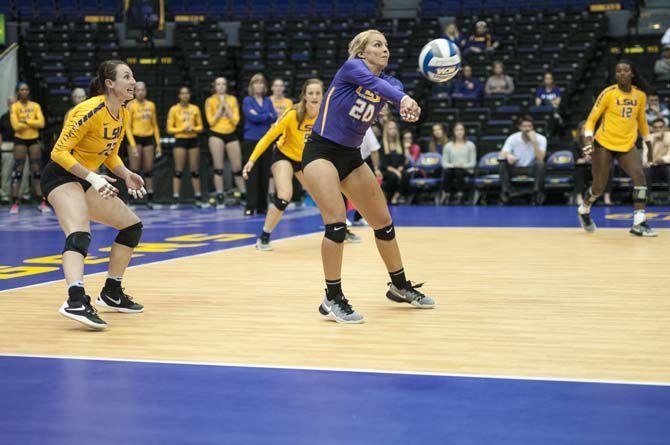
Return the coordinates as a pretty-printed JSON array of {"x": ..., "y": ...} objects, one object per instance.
[
  {"x": 185, "y": 122},
  {"x": 620, "y": 108},
  {"x": 223, "y": 114},
  {"x": 78, "y": 195},
  {"x": 278, "y": 98},
  {"x": 292, "y": 129},
  {"x": 143, "y": 135},
  {"x": 27, "y": 120}
]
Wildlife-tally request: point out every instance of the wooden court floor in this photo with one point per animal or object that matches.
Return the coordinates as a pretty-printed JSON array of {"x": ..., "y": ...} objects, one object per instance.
[{"x": 544, "y": 303}]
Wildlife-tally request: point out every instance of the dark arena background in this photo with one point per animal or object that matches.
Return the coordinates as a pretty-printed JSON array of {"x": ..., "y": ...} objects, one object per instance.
[{"x": 542, "y": 332}]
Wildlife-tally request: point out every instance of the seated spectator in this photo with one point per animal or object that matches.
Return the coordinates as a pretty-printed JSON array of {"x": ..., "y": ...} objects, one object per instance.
[
  {"x": 499, "y": 82},
  {"x": 656, "y": 110},
  {"x": 411, "y": 149},
  {"x": 452, "y": 34},
  {"x": 583, "y": 169},
  {"x": 662, "y": 66},
  {"x": 657, "y": 169},
  {"x": 549, "y": 94},
  {"x": 393, "y": 163},
  {"x": 438, "y": 139},
  {"x": 482, "y": 40},
  {"x": 459, "y": 157},
  {"x": 468, "y": 87},
  {"x": 523, "y": 154}
]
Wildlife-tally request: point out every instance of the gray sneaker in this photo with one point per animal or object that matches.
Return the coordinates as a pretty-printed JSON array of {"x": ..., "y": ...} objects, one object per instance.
[
  {"x": 260, "y": 245},
  {"x": 410, "y": 295},
  {"x": 643, "y": 229},
  {"x": 340, "y": 310},
  {"x": 352, "y": 238},
  {"x": 586, "y": 222}
]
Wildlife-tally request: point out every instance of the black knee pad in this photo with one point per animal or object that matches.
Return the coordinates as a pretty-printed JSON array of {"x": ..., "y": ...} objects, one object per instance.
[
  {"x": 237, "y": 173},
  {"x": 279, "y": 203},
  {"x": 178, "y": 174},
  {"x": 336, "y": 232},
  {"x": 640, "y": 194},
  {"x": 78, "y": 242},
  {"x": 17, "y": 175},
  {"x": 37, "y": 174},
  {"x": 195, "y": 174},
  {"x": 130, "y": 236},
  {"x": 218, "y": 171},
  {"x": 385, "y": 233}
]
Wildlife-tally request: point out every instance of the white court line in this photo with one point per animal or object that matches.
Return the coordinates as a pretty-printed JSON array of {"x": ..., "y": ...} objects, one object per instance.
[
  {"x": 325, "y": 369},
  {"x": 162, "y": 261}
]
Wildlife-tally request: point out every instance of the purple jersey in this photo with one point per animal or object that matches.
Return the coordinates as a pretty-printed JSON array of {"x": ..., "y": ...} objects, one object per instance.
[{"x": 353, "y": 101}]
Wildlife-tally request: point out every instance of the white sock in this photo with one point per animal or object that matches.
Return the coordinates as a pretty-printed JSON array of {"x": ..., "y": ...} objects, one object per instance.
[
  {"x": 76, "y": 283},
  {"x": 639, "y": 217},
  {"x": 115, "y": 278},
  {"x": 584, "y": 208}
]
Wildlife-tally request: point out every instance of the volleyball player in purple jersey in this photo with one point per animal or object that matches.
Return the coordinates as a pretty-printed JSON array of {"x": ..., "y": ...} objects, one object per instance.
[{"x": 332, "y": 163}]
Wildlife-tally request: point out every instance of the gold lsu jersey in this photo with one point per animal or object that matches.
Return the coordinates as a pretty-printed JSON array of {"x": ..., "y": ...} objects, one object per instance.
[
  {"x": 180, "y": 118},
  {"x": 143, "y": 121},
  {"x": 26, "y": 119},
  {"x": 623, "y": 115},
  {"x": 223, "y": 125},
  {"x": 91, "y": 136},
  {"x": 292, "y": 140}
]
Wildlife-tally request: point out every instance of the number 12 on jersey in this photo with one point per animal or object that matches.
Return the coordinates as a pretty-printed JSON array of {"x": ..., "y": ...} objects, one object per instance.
[{"x": 362, "y": 111}]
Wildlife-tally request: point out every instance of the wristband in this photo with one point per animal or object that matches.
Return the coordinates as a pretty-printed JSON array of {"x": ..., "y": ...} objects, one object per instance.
[
  {"x": 96, "y": 181},
  {"x": 588, "y": 133}
]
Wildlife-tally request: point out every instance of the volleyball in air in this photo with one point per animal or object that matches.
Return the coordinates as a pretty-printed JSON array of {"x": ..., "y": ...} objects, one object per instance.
[{"x": 440, "y": 60}]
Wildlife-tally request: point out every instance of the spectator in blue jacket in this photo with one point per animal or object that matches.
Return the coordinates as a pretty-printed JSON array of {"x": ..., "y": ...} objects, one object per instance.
[
  {"x": 548, "y": 94},
  {"x": 482, "y": 40},
  {"x": 259, "y": 115},
  {"x": 468, "y": 87}
]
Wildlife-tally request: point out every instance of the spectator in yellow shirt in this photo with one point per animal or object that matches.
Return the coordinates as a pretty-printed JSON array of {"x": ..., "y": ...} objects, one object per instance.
[
  {"x": 223, "y": 115},
  {"x": 27, "y": 121}
]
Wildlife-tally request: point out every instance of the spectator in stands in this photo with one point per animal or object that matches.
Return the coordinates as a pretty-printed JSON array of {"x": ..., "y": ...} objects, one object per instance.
[
  {"x": 412, "y": 149},
  {"x": 583, "y": 169},
  {"x": 184, "y": 122},
  {"x": 259, "y": 115},
  {"x": 548, "y": 95},
  {"x": 459, "y": 157},
  {"x": 452, "y": 34},
  {"x": 78, "y": 96},
  {"x": 657, "y": 168},
  {"x": 662, "y": 66},
  {"x": 7, "y": 160},
  {"x": 384, "y": 116},
  {"x": 393, "y": 163},
  {"x": 438, "y": 139},
  {"x": 482, "y": 40},
  {"x": 223, "y": 115},
  {"x": 27, "y": 120},
  {"x": 523, "y": 154},
  {"x": 499, "y": 82},
  {"x": 468, "y": 87},
  {"x": 656, "y": 110},
  {"x": 279, "y": 100},
  {"x": 665, "y": 40}
]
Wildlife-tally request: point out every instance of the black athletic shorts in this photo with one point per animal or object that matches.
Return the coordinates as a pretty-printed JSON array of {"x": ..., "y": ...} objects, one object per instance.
[
  {"x": 227, "y": 138},
  {"x": 54, "y": 175},
  {"x": 143, "y": 141},
  {"x": 278, "y": 155},
  {"x": 615, "y": 154},
  {"x": 186, "y": 143},
  {"x": 26, "y": 142},
  {"x": 345, "y": 159}
]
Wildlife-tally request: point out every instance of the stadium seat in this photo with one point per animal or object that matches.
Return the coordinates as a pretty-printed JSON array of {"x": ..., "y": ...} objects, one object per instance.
[
  {"x": 560, "y": 172},
  {"x": 425, "y": 178},
  {"x": 486, "y": 179}
]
